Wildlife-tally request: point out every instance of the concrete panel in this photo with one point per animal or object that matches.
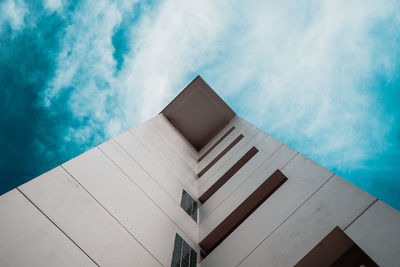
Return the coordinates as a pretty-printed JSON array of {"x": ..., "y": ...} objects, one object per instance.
[
  {"x": 174, "y": 135},
  {"x": 85, "y": 221},
  {"x": 304, "y": 178},
  {"x": 276, "y": 161},
  {"x": 172, "y": 184},
  {"x": 160, "y": 152},
  {"x": 240, "y": 128},
  {"x": 269, "y": 145},
  {"x": 231, "y": 185},
  {"x": 171, "y": 135},
  {"x": 127, "y": 203},
  {"x": 250, "y": 134},
  {"x": 189, "y": 157},
  {"x": 337, "y": 203},
  {"x": 231, "y": 123},
  {"x": 377, "y": 233},
  {"x": 261, "y": 141},
  {"x": 151, "y": 188},
  {"x": 28, "y": 238},
  {"x": 187, "y": 163}
]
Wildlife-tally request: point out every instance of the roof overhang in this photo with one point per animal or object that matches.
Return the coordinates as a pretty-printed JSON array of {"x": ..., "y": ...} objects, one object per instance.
[{"x": 198, "y": 113}]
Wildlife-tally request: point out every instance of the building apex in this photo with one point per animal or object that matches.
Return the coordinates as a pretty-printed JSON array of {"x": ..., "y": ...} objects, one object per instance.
[{"x": 198, "y": 112}]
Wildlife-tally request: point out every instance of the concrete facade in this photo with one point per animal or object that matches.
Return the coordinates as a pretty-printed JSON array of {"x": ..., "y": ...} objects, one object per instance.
[{"x": 119, "y": 204}]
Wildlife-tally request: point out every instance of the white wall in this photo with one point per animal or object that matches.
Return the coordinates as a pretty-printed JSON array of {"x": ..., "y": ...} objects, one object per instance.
[
  {"x": 84, "y": 220},
  {"x": 377, "y": 232},
  {"x": 28, "y": 238},
  {"x": 118, "y": 204},
  {"x": 297, "y": 216}
]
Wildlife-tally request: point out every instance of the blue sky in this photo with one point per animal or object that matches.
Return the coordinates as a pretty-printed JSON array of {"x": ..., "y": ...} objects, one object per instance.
[{"x": 321, "y": 76}]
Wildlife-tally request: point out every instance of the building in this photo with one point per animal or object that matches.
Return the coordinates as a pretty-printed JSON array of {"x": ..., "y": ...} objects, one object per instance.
[{"x": 197, "y": 184}]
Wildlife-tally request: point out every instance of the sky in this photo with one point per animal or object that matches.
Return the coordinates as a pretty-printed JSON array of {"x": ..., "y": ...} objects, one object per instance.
[{"x": 321, "y": 76}]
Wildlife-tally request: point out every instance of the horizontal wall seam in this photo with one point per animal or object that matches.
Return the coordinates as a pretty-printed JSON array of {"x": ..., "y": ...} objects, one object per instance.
[
  {"x": 142, "y": 169},
  {"x": 319, "y": 188},
  {"x": 191, "y": 149},
  {"x": 220, "y": 155},
  {"x": 287, "y": 163},
  {"x": 359, "y": 215},
  {"x": 172, "y": 162},
  {"x": 232, "y": 155},
  {"x": 240, "y": 125},
  {"x": 243, "y": 211},
  {"x": 224, "y": 165},
  {"x": 248, "y": 177},
  {"x": 127, "y": 176},
  {"x": 228, "y": 174},
  {"x": 59, "y": 228},
  {"x": 151, "y": 153},
  {"x": 179, "y": 155},
  {"x": 217, "y": 143},
  {"x": 126, "y": 229}
]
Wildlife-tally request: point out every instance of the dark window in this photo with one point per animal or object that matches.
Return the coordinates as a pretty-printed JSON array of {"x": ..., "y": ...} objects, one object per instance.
[
  {"x": 220, "y": 155},
  {"x": 224, "y": 178},
  {"x": 183, "y": 255},
  {"x": 336, "y": 250},
  {"x": 242, "y": 212},
  {"x": 216, "y": 143},
  {"x": 189, "y": 205}
]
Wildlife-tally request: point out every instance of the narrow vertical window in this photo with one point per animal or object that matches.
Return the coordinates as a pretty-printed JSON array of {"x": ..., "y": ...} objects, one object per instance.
[
  {"x": 189, "y": 205},
  {"x": 242, "y": 212},
  {"x": 228, "y": 175},
  {"x": 217, "y": 143},
  {"x": 220, "y": 155},
  {"x": 336, "y": 250},
  {"x": 183, "y": 255}
]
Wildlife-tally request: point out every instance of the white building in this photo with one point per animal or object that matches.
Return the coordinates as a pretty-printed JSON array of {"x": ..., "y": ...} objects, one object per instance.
[{"x": 197, "y": 184}]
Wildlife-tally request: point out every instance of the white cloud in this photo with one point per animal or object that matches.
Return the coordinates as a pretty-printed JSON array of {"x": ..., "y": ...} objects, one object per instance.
[
  {"x": 86, "y": 66},
  {"x": 53, "y": 5},
  {"x": 171, "y": 44},
  {"x": 305, "y": 69},
  {"x": 151, "y": 70},
  {"x": 299, "y": 68},
  {"x": 13, "y": 12}
]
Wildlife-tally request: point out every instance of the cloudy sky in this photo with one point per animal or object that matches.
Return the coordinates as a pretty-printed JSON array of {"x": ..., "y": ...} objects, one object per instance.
[{"x": 321, "y": 76}]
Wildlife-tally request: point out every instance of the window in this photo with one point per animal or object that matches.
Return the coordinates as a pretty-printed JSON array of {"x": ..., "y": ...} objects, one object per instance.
[
  {"x": 336, "y": 250},
  {"x": 243, "y": 211},
  {"x": 189, "y": 205},
  {"x": 224, "y": 178},
  {"x": 183, "y": 255}
]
